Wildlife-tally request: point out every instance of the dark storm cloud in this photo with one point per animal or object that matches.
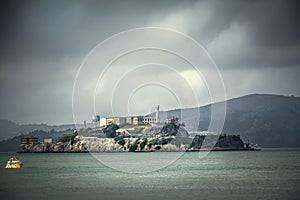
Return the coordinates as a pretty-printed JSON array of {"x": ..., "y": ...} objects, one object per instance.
[
  {"x": 42, "y": 44},
  {"x": 39, "y": 30},
  {"x": 273, "y": 23},
  {"x": 262, "y": 34},
  {"x": 52, "y": 29}
]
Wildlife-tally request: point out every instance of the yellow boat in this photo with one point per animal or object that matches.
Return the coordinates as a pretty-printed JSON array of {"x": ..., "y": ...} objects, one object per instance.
[{"x": 13, "y": 163}]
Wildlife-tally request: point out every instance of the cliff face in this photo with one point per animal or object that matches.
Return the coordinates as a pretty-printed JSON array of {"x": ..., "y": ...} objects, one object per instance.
[
  {"x": 94, "y": 144},
  {"x": 52, "y": 148}
]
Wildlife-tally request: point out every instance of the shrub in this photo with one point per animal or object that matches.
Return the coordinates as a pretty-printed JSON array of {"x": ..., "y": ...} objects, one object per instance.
[
  {"x": 133, "y": 147},
  {"x": 65, "y": 138},
  {"x": 121, "y": 142},
  {"x": 110, "y": 130}
]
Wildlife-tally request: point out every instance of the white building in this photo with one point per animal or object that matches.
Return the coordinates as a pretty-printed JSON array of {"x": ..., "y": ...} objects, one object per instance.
[{"x": 131, "y": 119}]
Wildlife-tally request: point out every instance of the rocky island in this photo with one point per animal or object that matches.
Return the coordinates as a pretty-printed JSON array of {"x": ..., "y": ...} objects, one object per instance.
[{"x": 169, "y": 137}]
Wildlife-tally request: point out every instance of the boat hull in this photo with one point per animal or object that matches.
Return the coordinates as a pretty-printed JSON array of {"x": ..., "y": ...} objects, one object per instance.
[{"x": 14, "y": 166}]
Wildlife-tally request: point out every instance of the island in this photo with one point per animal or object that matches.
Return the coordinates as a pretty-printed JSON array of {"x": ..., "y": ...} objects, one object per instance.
[{"x": 170, "y": 136}]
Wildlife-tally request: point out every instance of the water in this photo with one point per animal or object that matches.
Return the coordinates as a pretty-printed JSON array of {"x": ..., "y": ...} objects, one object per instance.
[{"x": 272, "y": 174}]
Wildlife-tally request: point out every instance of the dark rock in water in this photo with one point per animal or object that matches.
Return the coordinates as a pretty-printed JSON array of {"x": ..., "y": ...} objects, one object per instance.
[
  {"x": 225, "y": 142},
  {"x": 230, "y": 141}
]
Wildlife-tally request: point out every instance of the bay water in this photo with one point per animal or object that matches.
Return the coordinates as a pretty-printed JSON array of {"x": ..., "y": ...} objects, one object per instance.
[{"x": 266, "y": 174}]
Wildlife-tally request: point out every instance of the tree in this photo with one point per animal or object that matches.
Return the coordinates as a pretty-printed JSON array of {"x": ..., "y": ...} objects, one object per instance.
[
  {"x": 110, "y": 130},
  {"x": 171, "y": 128}
]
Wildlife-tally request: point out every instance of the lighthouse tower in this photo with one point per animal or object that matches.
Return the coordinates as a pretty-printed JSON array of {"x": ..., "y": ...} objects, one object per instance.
[{"x": 157, "y": 114}]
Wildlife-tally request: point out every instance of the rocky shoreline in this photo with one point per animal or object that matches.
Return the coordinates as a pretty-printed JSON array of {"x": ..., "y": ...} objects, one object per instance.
[
  {"x": 169, "y": 137},
  {"x": 128, "y": 144},
  {"x": 93, "y": 144}
]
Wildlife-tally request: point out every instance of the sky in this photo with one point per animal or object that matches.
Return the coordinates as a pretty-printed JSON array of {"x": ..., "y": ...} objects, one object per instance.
[{"x": 254, "y": 44}]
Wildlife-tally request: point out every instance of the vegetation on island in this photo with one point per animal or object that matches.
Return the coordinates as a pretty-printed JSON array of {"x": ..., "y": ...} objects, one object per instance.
[
  {"x": 172, "y": 128},
  {"x": 110, "y": 130},
  {"x": 67, "y": 137}
]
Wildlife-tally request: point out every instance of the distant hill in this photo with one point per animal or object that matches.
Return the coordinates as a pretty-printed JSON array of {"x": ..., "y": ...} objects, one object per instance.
[
  {"x": 10, "y": 129},
  {"x": 269, "y": 120}
]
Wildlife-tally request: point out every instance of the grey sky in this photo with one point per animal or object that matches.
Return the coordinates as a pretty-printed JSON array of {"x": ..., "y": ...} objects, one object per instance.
[{"x": 255, "y": 44}]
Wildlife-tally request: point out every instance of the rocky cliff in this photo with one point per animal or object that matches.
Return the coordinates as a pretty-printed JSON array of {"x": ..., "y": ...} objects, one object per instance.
[
  {"x": 124, "y": 143},
  {"x": 94, "y": 144}
]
